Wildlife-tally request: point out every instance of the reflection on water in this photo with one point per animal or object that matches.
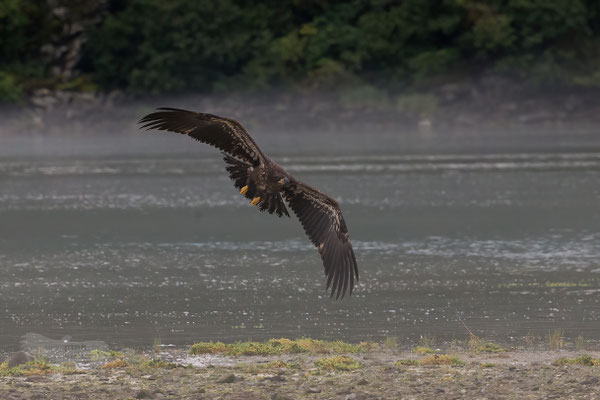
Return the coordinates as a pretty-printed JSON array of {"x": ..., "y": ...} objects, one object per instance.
[{"x": 127, "y": 249}]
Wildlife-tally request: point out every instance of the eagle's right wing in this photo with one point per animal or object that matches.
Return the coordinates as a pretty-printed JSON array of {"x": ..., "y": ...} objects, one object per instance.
[{"x": 225, "y": 134}]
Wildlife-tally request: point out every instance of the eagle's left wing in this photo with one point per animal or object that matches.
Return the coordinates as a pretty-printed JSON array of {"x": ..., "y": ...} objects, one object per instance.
[{"x": 322, "y": 220}]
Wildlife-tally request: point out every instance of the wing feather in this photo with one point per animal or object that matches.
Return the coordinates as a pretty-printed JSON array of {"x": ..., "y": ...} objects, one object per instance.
[
  {"x": 223, "y": 133},
  {"x": 322, "y": 220}
]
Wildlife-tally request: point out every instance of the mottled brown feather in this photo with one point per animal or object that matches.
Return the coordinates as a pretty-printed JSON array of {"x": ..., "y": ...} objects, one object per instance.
[
  {"x": 223, "y": 133},
  {"x": 324, "y": 224}
]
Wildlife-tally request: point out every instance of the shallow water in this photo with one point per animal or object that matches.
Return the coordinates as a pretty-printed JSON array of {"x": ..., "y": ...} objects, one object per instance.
[{"x": 128, "y": 245}]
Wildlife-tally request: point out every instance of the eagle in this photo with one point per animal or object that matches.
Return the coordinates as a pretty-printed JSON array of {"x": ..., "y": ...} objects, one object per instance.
[{"x": 269, "y": 186}]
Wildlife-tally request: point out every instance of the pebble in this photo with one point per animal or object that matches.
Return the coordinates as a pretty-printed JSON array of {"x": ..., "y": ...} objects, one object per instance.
[
  {"x": 590, "y": 381},
  {"x": 228, "y": 379},
  {"x": 276, "y": 378},
  {"x": 19, "y": 358},
  {"x": 278, "y": 396},
  {"x": 356, "y": 396},
  {"x": 143, "y": 394}
]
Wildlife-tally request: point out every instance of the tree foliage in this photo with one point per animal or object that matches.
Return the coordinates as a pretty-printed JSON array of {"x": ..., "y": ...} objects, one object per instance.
[{"x": 157, "y": 46}]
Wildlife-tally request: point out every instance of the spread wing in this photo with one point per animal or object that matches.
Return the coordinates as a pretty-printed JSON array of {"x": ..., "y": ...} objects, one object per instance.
[
  {"x": 225, "y": 134},
  {"x": 324, "y": 224}
]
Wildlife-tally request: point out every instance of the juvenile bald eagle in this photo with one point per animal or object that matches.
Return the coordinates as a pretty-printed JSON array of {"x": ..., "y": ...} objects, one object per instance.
[{"x": 266, "y": 184}]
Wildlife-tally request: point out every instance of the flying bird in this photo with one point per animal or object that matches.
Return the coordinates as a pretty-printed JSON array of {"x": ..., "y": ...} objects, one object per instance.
[{"x": 267, "y": 185}]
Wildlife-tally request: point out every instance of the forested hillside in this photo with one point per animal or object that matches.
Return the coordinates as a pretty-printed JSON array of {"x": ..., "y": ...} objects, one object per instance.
[{"x": 378, "y": 46}]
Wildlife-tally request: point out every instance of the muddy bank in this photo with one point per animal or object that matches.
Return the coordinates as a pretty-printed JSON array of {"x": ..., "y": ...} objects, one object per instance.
[{"x": 379, "y": 374}]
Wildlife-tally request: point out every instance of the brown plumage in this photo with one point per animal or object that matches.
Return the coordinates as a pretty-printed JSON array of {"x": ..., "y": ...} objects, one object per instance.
[{"x": 267, "y": 185}]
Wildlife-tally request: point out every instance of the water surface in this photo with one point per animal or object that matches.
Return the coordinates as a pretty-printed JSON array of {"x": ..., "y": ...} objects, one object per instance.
[{"x": 125, "y": 246}]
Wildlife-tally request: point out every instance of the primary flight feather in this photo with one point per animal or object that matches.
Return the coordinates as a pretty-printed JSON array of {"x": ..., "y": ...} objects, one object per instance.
[{"x": 267, "y": 185}]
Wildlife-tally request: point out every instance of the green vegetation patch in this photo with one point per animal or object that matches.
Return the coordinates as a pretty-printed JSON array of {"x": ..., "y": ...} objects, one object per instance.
[
  {"x": 433, "y": 359},
  {"x": 118, "y": 363},
  {"x": 585, "y": 359},
  {"x": 281, "y": 346},
  {"x": 277, "y": 364},
  {"x": 208, "y": 348},
  {"x": 548, "y": 284},
  {"x": 99, "y": 355},
  {"x": 442, "y": 359},
  {"x": 390, "y": 343},
  {"x": 479, "y": 345},
  {"x": 338, "y": 363},
  {"x": 36, "y": 367},
  {"x": 555, "y": 339},
  {"x": 39, "y": 367},
  {"x": 567, "y": 284},
  {"x": 407, "y": 363},
  {"x": 158, "y": 363},
  {"x": 422, "y": 350}
]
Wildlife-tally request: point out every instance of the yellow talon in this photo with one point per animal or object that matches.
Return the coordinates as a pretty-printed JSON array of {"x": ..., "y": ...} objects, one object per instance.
[
  {"x": 255, "y": 201},
  {"x": 244, "y": 189}
]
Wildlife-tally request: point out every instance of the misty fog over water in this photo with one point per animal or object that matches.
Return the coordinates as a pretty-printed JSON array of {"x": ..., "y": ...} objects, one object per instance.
[{"x": 127, "y": 236}]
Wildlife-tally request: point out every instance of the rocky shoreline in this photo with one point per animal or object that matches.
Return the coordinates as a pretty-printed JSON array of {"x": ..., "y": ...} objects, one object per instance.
[
  {"x": 380, "y": 373},
  {"x": 490, "y": 103}
]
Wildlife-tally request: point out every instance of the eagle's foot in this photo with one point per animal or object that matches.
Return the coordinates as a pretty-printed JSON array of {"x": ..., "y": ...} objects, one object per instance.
[
  {"x": 244, "y": 189},
  {"x": 255, "y": 201}
]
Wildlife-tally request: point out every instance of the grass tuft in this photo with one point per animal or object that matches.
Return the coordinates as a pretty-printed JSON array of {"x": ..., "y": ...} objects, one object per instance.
[
  {"x": 156, "y": 344},
  {"x": 35, "y": 367},
  {"x": 555, "y": 339},
  {"x": 530, "y": 338},
  {"x": 338, "y": 363},
  {"x": 422, "y": 350},
  {"x": 442, "y": 359},
  {"x": 427, "y": 340},
  {"x": 407, "y": 363},
  {"x": 158, "y": 363},
  {"x": 580, "y": 344},
  {"x": 99, "y": 355},
  {"x": 69, "y": 368},
  {"x": 118, "y": 363},
  {"x": 585, "y": 359},
  {"x": 390, "y": 343},
  {"x": 434, "y": 359},
  {"x": 277, "y": 364},
  {"x": 479, "y": 345},
  {"x": 208, "y": 348},
  {"x": 281, "y": 346}
]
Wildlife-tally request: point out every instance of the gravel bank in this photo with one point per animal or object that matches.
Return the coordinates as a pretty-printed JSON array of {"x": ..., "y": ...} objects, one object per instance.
[{"x": 513, "y": 374}]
